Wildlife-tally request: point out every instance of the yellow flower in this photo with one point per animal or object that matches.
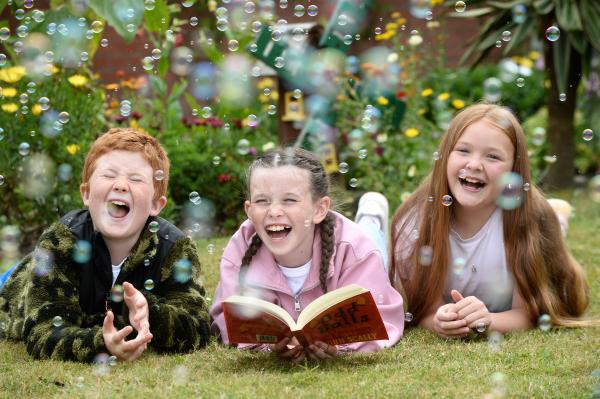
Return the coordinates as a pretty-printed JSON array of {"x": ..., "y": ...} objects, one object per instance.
[
  {"x": 547, "y": 83},
  {"x": 36, "y": 110},
  {"x": 9, "y": 92},
  {"x": 411, "y": 132},
  {"x": 405, "y": 196},
  {"x": 422, "y": 111},
  {"x": 534, "y": 55},
  {"x": 72, "y": 149},
  {"x": 401, "y": 21},
  {"x": 78, "y": 80},
  {"x": 111, "y": 86},
  {"x": 383, "y": 101},
  {"x": 443, "y": 96},
  {"x": 391, "y": 26},
  {"x": 212, "y": 5},
  {"x": 396, "y": 14},
  {"x": 11, "y": 108},
  {"x": 385, "y": 36},
  {"x": 433, "y": 24},
  {"x": 12, "y": 74},
  {"x": 458, "y": 104},
  {"x": 435, "y": 2},
  {"x": 412, "y": 171},
  {"x": 526, "y": 62},
  {"x": 53, "y": 69},
  {"x": 265, "y": 82},
  {"x": 427, "y": 92}
]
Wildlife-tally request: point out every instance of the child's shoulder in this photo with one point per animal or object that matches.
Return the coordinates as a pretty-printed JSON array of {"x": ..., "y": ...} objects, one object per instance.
[{"x": 348, "y": 233}]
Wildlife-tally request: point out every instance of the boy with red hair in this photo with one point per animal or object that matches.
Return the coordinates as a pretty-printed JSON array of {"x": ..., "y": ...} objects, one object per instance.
[{"x": 115, "y": 277}]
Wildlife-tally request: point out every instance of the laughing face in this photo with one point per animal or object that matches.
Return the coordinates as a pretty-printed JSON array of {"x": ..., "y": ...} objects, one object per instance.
[
  {"x": 284, "y": 213},
  {"x": 481, "y": 155},
  {"x": 120, "y": 194}
]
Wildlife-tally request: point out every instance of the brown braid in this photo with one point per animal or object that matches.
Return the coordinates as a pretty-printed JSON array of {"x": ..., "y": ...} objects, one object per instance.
[
  {"x": 327, "y": 241},
  {"x": 250, "y": 252}
]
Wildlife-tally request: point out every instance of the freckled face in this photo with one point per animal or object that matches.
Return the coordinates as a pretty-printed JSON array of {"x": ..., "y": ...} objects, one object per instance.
[
  {"x": 284, "y": 213},
  {"x": 481, "y": 155}
]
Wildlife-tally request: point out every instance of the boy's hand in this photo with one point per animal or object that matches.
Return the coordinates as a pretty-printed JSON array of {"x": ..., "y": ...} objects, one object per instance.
[
  {"x": 447, "y": 324},
  {"x": 290, "y": 349},
  {"x": 321, "y": 351},
  {"x": 138, "y": 308},
  {"x": 472, "y": 310},
  {"x": 115, "y": 340}
]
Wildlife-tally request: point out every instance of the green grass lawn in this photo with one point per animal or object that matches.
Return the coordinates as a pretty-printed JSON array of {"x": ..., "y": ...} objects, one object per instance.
[{"x": 556, "y": 364}]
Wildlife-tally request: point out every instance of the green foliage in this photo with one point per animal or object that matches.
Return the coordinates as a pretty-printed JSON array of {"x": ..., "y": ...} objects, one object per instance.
[{"x": 43, "y": 184}]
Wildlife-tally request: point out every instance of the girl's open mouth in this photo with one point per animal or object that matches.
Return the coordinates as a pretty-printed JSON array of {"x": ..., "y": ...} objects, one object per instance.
[
  {"x": 471, "y": 183},
  {"x": 278, "y": 231}
]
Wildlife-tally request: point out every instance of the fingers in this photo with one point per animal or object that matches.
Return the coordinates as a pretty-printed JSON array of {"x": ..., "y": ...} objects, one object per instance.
[
  {"x": 122, "y": 333},
  {"x": 107, "y": 325},
  {"x": 280, "y": 346},
  {"x": 456, "y": 296},
  {"x": 321, "y": 351},
  {"x": 446, "y": 316}
]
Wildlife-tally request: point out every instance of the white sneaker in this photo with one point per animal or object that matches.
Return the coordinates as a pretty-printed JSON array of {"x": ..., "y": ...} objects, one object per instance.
[
  {"x": 563, "y": 211},
  {"x": 373, "y": 204}
]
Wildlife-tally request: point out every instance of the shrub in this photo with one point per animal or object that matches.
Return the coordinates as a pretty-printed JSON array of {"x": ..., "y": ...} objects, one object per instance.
[{"x": 46, "y": 128}]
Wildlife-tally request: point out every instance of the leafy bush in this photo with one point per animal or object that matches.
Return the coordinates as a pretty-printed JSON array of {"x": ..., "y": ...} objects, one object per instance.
[{"x": 46, "y": 129}]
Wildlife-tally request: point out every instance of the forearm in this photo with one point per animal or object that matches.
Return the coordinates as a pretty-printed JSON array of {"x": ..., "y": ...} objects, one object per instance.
[{"x": 511, "y": 320}]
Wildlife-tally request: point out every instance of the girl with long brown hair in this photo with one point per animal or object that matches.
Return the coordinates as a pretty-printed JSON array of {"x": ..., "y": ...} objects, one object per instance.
[
  {"x": 293, "y": 248},
  {"x": 477, "y": 246}
]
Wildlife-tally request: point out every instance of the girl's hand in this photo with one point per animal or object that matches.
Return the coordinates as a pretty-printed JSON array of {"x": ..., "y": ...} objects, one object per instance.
[
  {"x": 290, "y": 349},
  {"x": 472, "y": 310},
  {"x": 321, "y": 351},
  {"x": 447, "y": 324}
]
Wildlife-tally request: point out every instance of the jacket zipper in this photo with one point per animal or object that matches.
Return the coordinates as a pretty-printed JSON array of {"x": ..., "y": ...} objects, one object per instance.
[{"x": 297, "y": 303}]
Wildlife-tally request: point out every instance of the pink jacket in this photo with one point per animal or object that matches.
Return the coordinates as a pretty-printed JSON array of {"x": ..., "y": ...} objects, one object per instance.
[{"x": 355, "y": 260}]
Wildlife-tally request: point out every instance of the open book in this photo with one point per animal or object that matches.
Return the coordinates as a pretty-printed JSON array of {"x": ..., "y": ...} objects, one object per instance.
[{"x": 345, "y": 315}]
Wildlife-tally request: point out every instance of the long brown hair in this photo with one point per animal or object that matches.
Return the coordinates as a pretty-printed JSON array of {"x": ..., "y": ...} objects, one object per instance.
[
  {"x": 548, "y": 277},
  {"x": 319, "y": 186}
]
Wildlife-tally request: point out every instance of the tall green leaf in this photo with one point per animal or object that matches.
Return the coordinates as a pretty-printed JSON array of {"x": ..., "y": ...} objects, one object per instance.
[
  {"x": 158, "y": 19},
  {"x": 543, "y": 7},
  {"x": 125, "y": 16},
  {"x": 590, "y": 13},
  {"x": 519, "y": 34},
  {"x": 567, "y": 13}
]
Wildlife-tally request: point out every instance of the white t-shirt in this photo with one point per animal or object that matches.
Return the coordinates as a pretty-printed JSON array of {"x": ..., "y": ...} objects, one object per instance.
[
  {"x": 296, "y": 276},
  {"x": 481, "y": 269},
  {"x": 116, "y": 269}
]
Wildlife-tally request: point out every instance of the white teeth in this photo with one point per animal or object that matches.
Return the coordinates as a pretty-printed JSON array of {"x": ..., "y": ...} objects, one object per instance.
[
  {"x": 119, "y": 203},
  {"x": 276, "y": 227},
  {"x": 473, "y": 180}
]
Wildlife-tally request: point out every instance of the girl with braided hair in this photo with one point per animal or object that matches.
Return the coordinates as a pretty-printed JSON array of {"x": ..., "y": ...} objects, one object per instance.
[{"x": 293, "y": 248}]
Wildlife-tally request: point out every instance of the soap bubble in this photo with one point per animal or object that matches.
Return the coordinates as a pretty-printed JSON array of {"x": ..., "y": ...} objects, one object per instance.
[
  {"x": 510, "y": 185},
  {"x": 182, "y": 270},
  {"x": 460, "y": 6},
  {"x": 588, "y": 134},
  {"x": 506, "y": 36},
  {"x": 24, "y": 149},
  {"x": 149, "y": 284},
  {"x": 153, "y": 226},
  {"x": 57, "y": 321},
  {"x": 211, "y": 249},
  {"x": 233, "y": 45},
  {"x": 436, "y": 156},
  {"x": 545, "y": 322},
  {"x": 425, "y": 255},
  {"x": 492, "y": 89},
  {"x": 494, "y": 340},
  {"x": 298, "y": 10},
  {"x": 458, "y": 266},
  {"x": 243, "y": 147},
  {"x": 481, "y": 327},
  {"x": 353, "y": 182},
  {"x": 82, "y": 251},
  {"x": 562, "y": 97},
  {"x": 343, "y": 167},
  {"x": 539, "y": 136},
  {"x": 312, "y": 10},
  {"x": 519, "y": 13},
  {"x": 408, "y": 317},
  {"x": 520, "y": 82},
  {"x": 116, "y": 293},
  {"x": 159, "y": 175},
  {"x": 100, "y": 367},
  {"x": 195, "y": 198},
  {"x": 216, "y": 160},
  {"x": 552, "y": 33},
  {"x": 64, "y": 117},
  {"x": 447, "y": 200}
]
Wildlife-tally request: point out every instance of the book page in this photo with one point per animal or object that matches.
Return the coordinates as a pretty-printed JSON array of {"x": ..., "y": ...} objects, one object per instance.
[
  {"x": 255, "y": 305},
  {"x": 327, "y": 300}
]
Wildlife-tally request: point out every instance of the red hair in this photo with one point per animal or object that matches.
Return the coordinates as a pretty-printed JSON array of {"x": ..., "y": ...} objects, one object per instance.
[{"x": 127, "y": 139}]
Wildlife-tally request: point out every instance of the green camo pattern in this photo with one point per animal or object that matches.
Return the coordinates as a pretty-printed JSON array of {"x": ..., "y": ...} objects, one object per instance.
[{"x": 45, "y": 285}]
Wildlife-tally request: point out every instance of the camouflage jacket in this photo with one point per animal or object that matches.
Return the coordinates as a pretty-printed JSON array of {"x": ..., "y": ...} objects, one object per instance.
[{"x": 56, "y": 298}]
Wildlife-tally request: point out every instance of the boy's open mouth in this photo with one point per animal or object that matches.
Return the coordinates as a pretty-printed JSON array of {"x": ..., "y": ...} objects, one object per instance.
[
  {"x": 117, "y": 209},
  {"x": 471, "y": 183},
  {"x": 278, "y": 230}
]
